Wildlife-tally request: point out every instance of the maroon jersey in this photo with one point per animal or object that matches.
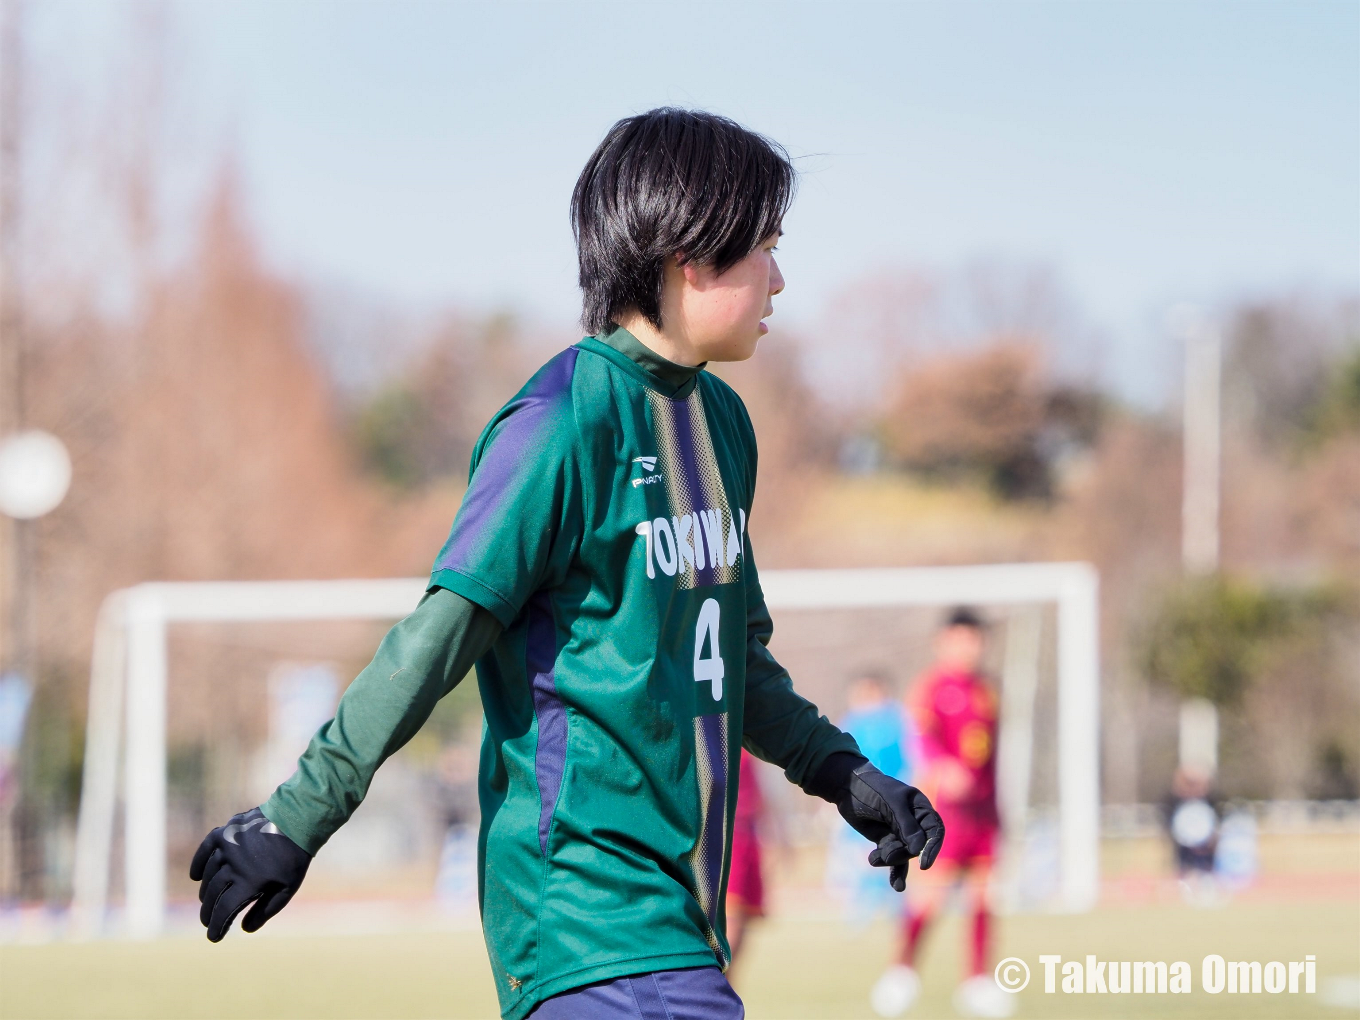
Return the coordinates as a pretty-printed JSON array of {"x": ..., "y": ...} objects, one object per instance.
[{"x": 956, "y": 716}]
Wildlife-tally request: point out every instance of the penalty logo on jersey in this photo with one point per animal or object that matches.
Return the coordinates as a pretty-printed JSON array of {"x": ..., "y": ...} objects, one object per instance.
[{"x": 648, "y": 466}]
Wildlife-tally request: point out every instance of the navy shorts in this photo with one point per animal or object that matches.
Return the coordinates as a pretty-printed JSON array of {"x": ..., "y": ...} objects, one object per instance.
[{"x": 697, "y": 993}]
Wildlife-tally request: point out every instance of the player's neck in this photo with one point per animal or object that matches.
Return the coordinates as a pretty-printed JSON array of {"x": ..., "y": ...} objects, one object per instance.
[
  {"x": 673, "y": 347},
  {"x": 669, "y": 375}
]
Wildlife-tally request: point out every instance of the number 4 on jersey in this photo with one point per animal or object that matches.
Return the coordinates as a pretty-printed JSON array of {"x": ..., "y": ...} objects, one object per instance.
[{"x": 708, "y": 668}]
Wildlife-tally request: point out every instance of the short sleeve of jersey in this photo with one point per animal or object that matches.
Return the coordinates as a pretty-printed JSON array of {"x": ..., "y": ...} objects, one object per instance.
[{"x": 520, "y": 520}]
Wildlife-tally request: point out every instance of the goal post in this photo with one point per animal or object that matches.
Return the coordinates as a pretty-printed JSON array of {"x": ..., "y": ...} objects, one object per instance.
[
  {"x": 1074, "y": 589},
  {"x": 127, "y": 720},
  {"x": 130, "y": 666}
]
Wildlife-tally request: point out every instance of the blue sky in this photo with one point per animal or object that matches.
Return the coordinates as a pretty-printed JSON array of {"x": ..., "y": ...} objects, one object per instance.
[{"x": 1147, "y": 152}]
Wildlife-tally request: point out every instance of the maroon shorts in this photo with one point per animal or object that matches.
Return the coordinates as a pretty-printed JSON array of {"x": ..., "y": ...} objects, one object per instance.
[
  {"x": 967, "y": 838},
  {"x": 745, "y": 888}
]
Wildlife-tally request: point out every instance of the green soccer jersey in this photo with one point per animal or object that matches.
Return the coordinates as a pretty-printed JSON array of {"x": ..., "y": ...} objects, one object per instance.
[{"x": 604, "y": 527}]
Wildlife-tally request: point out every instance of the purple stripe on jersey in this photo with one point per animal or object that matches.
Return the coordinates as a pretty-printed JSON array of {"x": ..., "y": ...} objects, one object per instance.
[
  {"x": 550, "y": 758},
  {"x": 512, "y": 450},
  {"x": 715, "y": 823},
  {"x": 689, "y": 466}
]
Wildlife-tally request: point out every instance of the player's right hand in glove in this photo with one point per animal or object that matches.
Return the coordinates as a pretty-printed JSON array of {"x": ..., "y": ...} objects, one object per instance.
[
  {"x": 895, "y": 816},
  {"x": 247, "y": 860}
]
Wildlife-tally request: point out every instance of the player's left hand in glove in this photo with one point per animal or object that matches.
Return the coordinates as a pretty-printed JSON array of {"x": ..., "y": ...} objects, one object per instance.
[
  {"x": 893, "y": 815},
  {"x": 246, "y": 861}
]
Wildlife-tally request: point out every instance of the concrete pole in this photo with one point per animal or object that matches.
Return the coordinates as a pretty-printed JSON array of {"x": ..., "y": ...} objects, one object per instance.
[
  {"x": 1200, "y": 509},
  {"x": 14, "y": 627},
  {"x": 1200, "y": 496}
]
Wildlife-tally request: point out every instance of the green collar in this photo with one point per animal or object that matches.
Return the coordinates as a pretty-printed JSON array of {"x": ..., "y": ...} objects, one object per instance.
[{"x": 627, "y": 351}]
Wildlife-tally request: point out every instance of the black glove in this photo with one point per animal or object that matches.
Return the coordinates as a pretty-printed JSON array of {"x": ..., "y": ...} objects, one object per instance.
[
  {"x": 894, "y": 815},
  {"x": 246, "y": 860}
]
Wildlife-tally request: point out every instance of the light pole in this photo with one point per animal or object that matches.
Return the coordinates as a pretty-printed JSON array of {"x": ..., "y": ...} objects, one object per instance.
[
  {"x": 12, "y": 410},
  {"x": 14, "y": 537},
  {"x": 1200, "y": 498},
  {"x": 35, "y": 470}
]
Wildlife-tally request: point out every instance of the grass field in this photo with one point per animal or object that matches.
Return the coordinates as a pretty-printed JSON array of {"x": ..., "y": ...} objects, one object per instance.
[
  {"x": 803, "y": 962},
  {"x": 796, "y": 968}
]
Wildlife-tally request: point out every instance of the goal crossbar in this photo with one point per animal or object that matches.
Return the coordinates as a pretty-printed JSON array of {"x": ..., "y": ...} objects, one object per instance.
[{"x": 129, "y": 674}]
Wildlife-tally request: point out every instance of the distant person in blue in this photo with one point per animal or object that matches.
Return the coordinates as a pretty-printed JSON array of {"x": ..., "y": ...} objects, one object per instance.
[
  {"x": 876, "y": 720},
  {"x": 885, "y": 735}
]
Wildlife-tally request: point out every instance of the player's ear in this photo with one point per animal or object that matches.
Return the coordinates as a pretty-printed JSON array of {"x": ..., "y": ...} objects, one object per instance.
[{"x": 692, "y": 271}]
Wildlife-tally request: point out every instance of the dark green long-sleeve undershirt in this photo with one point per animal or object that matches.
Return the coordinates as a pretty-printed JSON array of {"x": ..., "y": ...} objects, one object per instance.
[
  {"x": 427, "y": 654},
  {"x": 779, "y": 724},
  {"x": 420, "y": 660}
]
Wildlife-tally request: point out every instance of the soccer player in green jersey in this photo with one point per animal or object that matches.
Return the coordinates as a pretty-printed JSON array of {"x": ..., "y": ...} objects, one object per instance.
[{"x": 600, "y": 576}]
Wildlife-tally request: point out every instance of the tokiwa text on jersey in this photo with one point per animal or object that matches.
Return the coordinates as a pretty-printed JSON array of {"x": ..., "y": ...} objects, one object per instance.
[{"x": 671, "y": 548}]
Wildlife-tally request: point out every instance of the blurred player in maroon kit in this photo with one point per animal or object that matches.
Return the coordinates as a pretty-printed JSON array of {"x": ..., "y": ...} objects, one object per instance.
[
  {"x": 955, "y": 712},
  {"x": 745, "y": 883}
]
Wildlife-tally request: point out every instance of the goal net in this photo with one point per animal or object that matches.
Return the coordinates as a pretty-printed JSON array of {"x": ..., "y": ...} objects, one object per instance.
[{"x": 203, "y": 694}]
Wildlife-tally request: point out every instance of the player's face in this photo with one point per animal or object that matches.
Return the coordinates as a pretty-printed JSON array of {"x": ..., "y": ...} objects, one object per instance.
[
  {"x": 867, "y": 692},
  {"x": 720, "y": 314},
  {"x": 959, "y": 649}
]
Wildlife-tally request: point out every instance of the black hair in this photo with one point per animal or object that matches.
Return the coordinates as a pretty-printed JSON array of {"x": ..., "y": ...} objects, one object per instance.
[
  {"x": 964, "y": 616},
  {"x": 877, "y": 674},
  {"x": 671, "y": 182}
]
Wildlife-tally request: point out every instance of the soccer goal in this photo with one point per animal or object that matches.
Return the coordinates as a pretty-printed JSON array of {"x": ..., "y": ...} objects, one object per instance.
[{"x": 130, "y": 679}]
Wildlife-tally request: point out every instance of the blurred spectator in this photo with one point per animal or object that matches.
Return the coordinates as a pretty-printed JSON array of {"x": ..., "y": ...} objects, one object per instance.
[
  {"x": 877, "y": 723},
  {"x": 876, "y": 720},
  {"x": 15, "y": 695},
  {"x": 1237, "y": 858},
  {"x": 456, "y": 795},
  {"x": 1192, "y": 821}
]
